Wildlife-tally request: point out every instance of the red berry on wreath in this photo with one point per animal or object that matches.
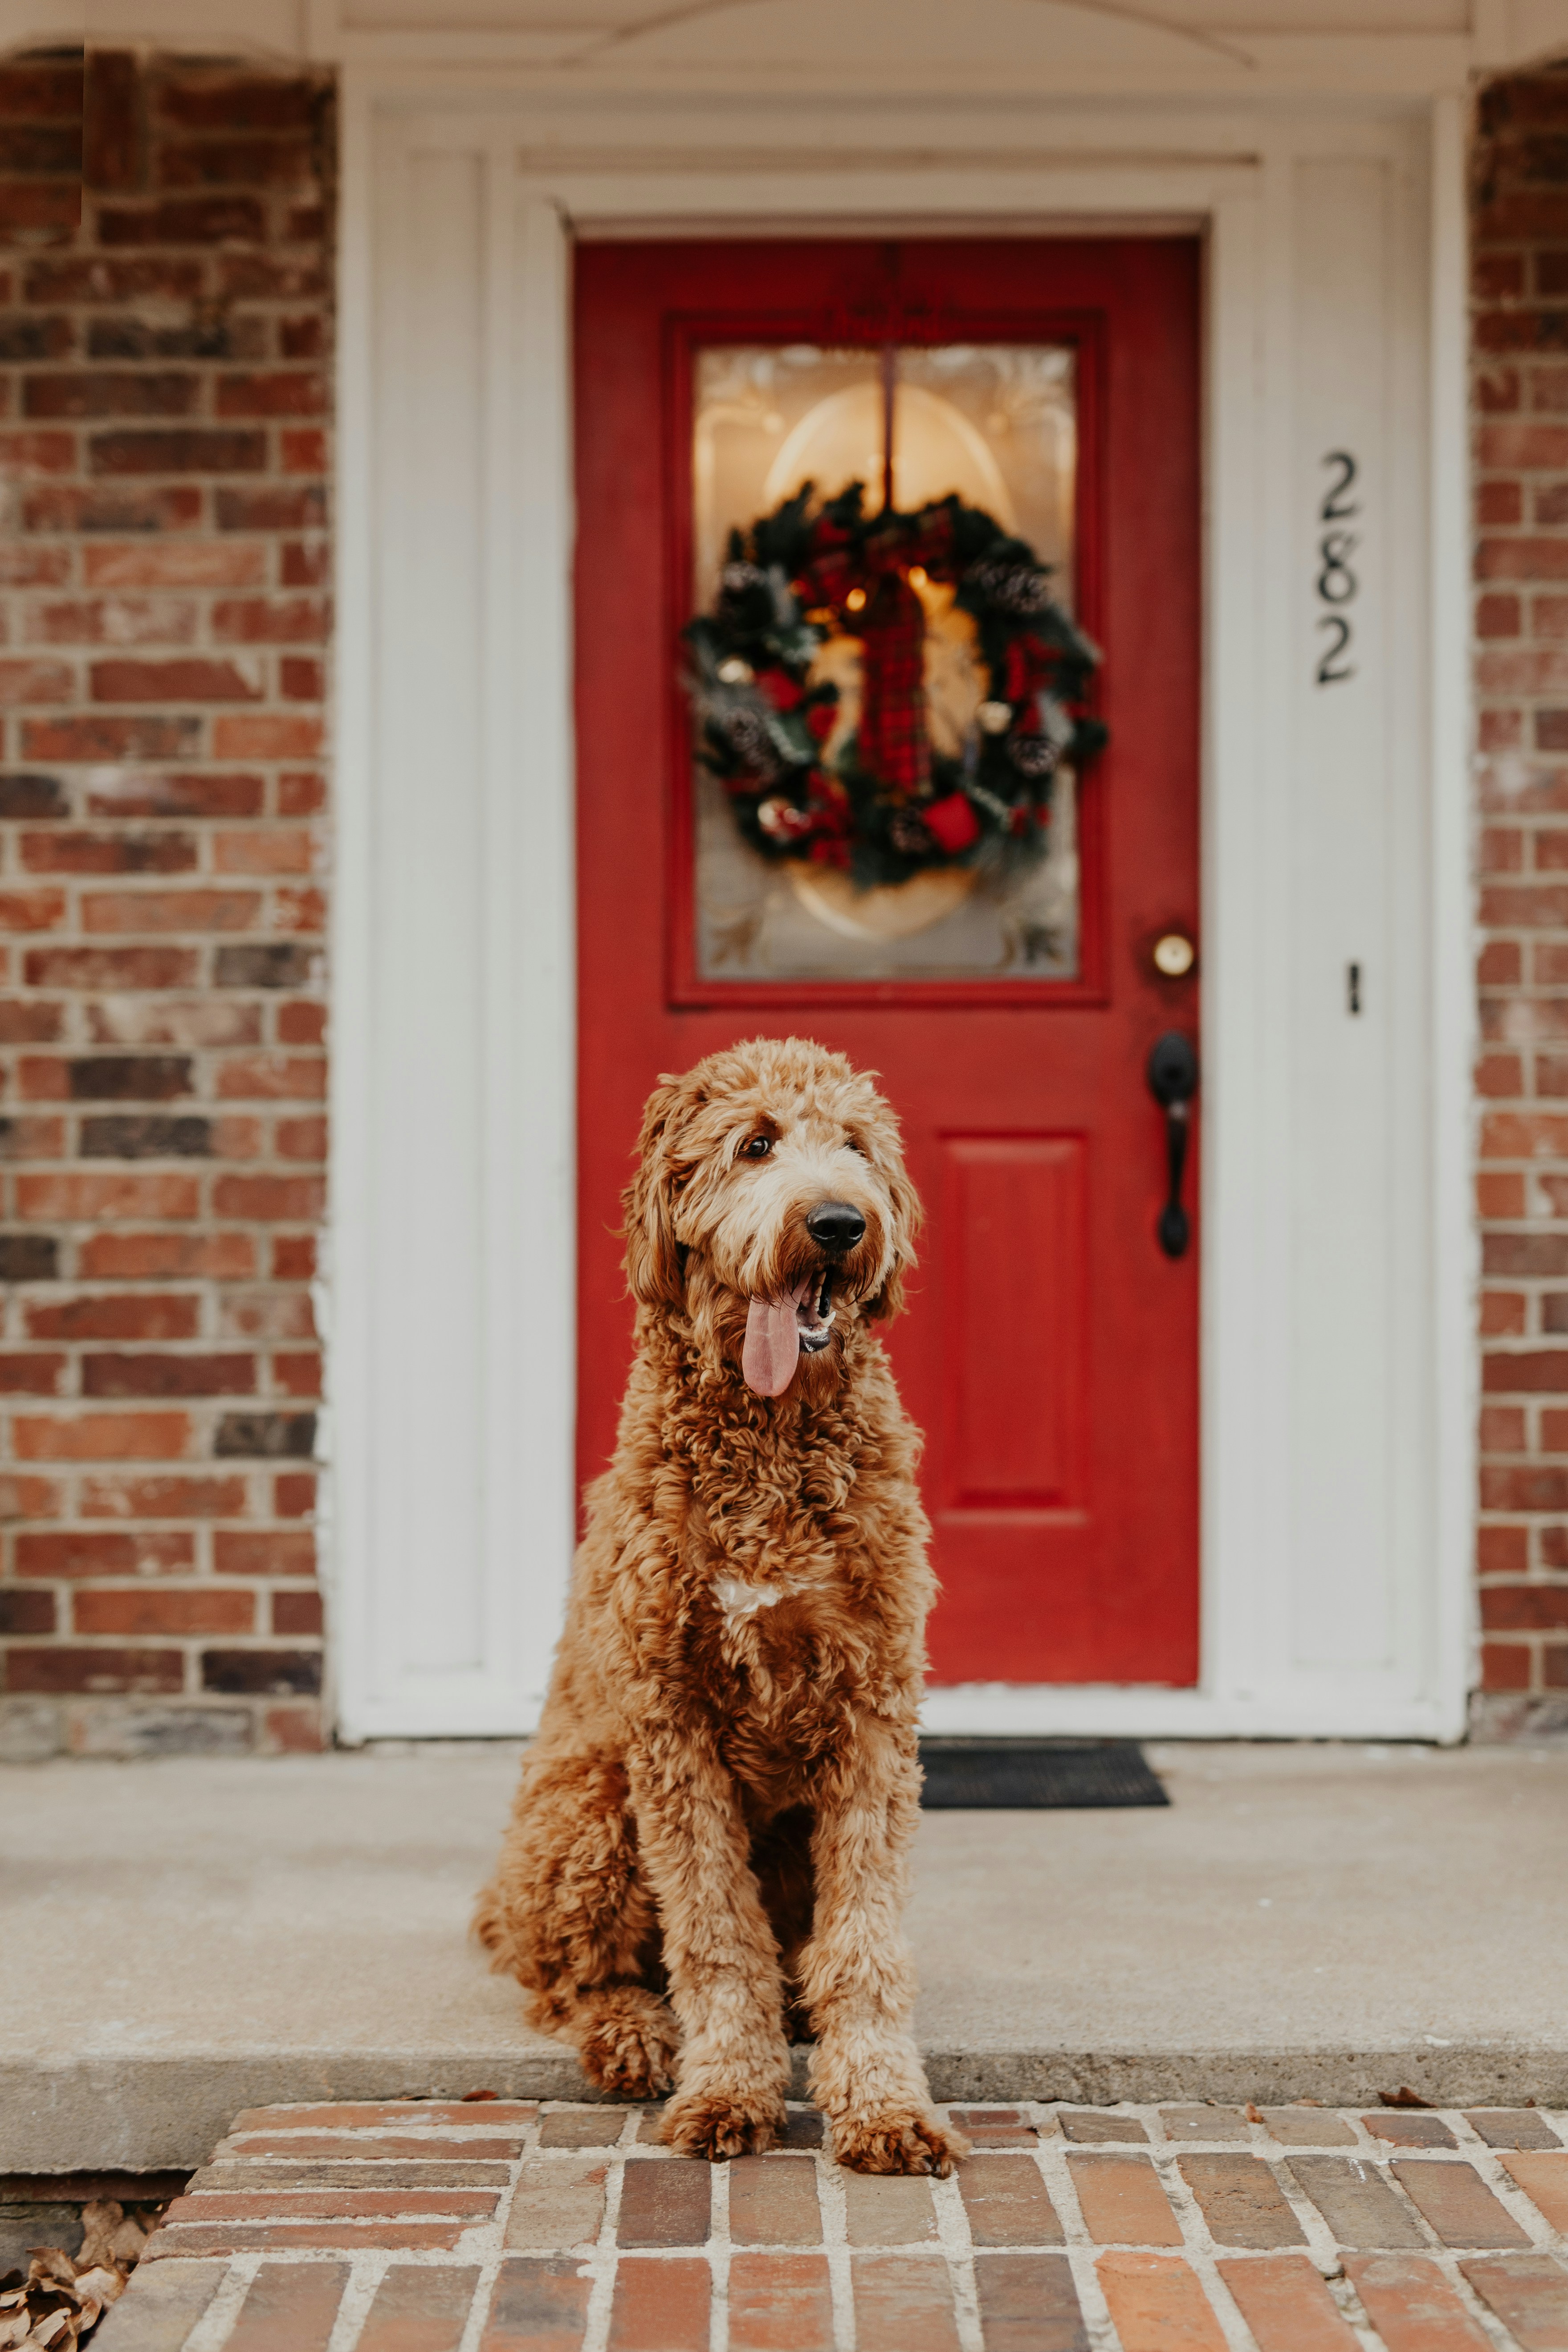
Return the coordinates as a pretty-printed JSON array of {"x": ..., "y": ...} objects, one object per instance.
[
  {"x": 1028, "y": 667},
  {"x": 782, "y": 691},
  {"x": 953, "y": 821}
]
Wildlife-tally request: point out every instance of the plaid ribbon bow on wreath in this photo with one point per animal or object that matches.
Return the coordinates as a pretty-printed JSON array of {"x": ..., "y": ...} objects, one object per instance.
[{"x": 886, "y": 806}]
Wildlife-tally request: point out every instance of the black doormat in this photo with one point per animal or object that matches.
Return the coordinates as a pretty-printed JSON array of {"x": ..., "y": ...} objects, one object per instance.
[{"x": 1034, "y": 1775}]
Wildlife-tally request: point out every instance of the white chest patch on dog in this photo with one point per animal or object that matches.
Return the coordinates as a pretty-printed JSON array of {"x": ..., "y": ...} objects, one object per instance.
[{"x": 738, "y": 1601}]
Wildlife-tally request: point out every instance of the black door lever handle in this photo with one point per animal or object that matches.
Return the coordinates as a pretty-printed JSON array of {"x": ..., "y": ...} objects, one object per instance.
[{"x": 1173, "y": 1082}]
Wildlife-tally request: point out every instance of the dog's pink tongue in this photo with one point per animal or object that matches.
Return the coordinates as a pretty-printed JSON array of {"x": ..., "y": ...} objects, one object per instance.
[{"x": 773, "y": 1345}]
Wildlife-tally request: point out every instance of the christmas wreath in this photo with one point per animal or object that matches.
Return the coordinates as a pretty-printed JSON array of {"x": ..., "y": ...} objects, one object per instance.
[{"x": 884, "y": 805}]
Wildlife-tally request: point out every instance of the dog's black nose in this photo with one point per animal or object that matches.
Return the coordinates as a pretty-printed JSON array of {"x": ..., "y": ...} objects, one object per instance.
[{"x": 834, "y": 1225}]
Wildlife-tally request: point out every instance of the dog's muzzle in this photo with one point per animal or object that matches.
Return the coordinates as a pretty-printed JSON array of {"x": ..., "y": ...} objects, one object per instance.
[{"x": 780, "y": 1330}]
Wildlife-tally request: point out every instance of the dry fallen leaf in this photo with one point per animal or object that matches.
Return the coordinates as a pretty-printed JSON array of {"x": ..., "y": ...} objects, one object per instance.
[
  {"x": 48, "y": 2263},
  {"x": 1254, "y": 2115},
  {"x": 1403, "y": 2097},
  {"x": 109, "y": 2234},
  {"x": 103, "y": 2282},
  {"x": 58, "y": 2303}
]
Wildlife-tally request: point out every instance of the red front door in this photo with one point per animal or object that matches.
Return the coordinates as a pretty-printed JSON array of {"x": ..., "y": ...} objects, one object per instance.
[{"x": 1051, "y": 1349}]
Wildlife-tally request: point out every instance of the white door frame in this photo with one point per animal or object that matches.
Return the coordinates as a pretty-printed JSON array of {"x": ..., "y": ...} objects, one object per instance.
[{"x": 457, "y": 221}]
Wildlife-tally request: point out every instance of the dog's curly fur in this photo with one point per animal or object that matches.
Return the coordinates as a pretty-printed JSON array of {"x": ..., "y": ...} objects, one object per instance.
[{"x": 713, "y": 1824}]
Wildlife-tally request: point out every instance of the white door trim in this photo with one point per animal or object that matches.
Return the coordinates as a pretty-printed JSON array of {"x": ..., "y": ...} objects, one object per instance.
[
  {"x": 542, "y": 178},
  {"x": 453, "y": 1513},
  {"x": 1327, "y": 61}
]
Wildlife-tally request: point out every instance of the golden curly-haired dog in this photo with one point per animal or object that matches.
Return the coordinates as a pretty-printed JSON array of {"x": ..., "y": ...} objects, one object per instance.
[{"x": 718, "y": 1809}]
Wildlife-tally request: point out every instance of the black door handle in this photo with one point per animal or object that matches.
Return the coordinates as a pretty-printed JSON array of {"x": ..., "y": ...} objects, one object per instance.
[{"x": 1173, "y": 1082}]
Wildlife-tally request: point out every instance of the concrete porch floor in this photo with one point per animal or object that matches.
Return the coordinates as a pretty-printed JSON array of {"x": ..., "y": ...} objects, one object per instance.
[{"x": 186, "y": 1937}]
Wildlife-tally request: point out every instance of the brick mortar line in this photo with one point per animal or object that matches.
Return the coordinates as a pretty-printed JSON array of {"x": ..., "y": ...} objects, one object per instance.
[
  {"x": 490, "y": 2265},
  {"x": 219, "y": 1523},
  {"x": 466, "y": 2225},
  {"x": 1352, "y": 2311},
  {"x": 70, "y": 932},
  {"x": 833, "y": 2203},
  {"x": 365, "y": 2275},
  {"x": 1051, "y": 2155},
  {"x": 956, "y": 2241},
  {"x": 601, "y": 2262},
  {"x": 259, "y": 1104},
  {"x": 719, "y": 2247},
  {"x": 216, "y": 2325}
]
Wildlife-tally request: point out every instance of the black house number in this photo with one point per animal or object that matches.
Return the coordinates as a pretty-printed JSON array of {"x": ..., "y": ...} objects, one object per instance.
[{"x": 1337, "y": 584}]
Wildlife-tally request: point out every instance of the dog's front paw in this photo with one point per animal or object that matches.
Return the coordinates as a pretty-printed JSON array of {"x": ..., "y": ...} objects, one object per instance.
[
  {"x": 706, "y": 2122},
  {"x": 907, "y": 2139},
  {"x": 630, "y": 2054}
]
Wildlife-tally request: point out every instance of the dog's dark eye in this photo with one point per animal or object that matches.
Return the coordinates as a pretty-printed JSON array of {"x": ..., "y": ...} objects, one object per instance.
[{"x": 758, "y": 1148}]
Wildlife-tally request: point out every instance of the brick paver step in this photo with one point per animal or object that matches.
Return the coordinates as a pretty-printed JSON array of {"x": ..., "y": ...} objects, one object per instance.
[
  {"x": 1545, "y": 2180},
  {"x": 1242, "y": 2202},
  {"x": 428, "y": 2226},
  {"x": 1287, "y": 2305},
  {"x": 1412, "y": 2305},
  {"x": 1458, "y": 2205},
  {"x": 1123, "y": 2201}
]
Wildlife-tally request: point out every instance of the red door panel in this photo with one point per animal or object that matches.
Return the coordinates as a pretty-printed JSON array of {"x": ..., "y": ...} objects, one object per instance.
[
  {"x": 1051, "y": 1352},
  {"x": 1015, "y": 1228}
]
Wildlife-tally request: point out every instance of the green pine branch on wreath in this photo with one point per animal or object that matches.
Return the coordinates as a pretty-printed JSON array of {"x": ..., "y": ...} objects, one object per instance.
[{"x": 886, "y": 805}]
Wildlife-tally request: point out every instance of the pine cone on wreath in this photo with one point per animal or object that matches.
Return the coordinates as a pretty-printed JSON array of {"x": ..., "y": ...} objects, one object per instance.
[
  {"x": 908, "y": 833},
  {"x": 747, "y": 735},
  {"x": 745, "y": 598},
  {"x": 1033, "y": 755},
  {"x": 1012, "y": 587}
]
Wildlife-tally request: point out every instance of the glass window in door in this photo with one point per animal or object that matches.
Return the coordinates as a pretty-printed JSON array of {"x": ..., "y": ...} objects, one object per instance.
[{"x": 993, "y": 425}]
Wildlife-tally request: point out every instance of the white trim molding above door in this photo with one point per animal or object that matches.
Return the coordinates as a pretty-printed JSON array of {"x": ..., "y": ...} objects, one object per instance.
[{"x": 1338, "y": 1274}]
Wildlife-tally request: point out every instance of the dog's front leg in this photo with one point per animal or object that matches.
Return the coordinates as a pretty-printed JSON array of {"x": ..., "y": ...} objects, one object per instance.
[
  {"x": 856, "y": 1973},
  {"x": 724, "y": 1980}
]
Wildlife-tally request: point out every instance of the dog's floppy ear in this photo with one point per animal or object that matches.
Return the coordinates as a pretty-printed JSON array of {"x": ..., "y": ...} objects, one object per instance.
[
  {"x": 888, "y": 1300},
  {"x": 655, "y": 1271}
]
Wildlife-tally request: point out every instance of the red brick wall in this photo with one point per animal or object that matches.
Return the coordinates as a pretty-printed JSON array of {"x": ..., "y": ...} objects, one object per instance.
[
  {"x": 166, "y": 339},
  {"x": 1520, "y": 348}
]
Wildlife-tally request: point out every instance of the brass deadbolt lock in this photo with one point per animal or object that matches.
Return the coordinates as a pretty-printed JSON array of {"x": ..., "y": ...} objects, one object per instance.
[{"x": 1174, "y": 955}]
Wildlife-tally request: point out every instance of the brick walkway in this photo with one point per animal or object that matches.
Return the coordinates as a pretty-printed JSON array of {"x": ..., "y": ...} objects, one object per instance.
[{"x": 415, "y": 2227}]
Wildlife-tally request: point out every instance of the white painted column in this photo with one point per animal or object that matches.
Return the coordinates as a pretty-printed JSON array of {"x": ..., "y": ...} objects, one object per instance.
[{"x": 452, "y": 1209}]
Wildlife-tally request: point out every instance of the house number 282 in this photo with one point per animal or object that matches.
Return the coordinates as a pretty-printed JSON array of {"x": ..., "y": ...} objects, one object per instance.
[{"x": 1337, "y": 584}]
